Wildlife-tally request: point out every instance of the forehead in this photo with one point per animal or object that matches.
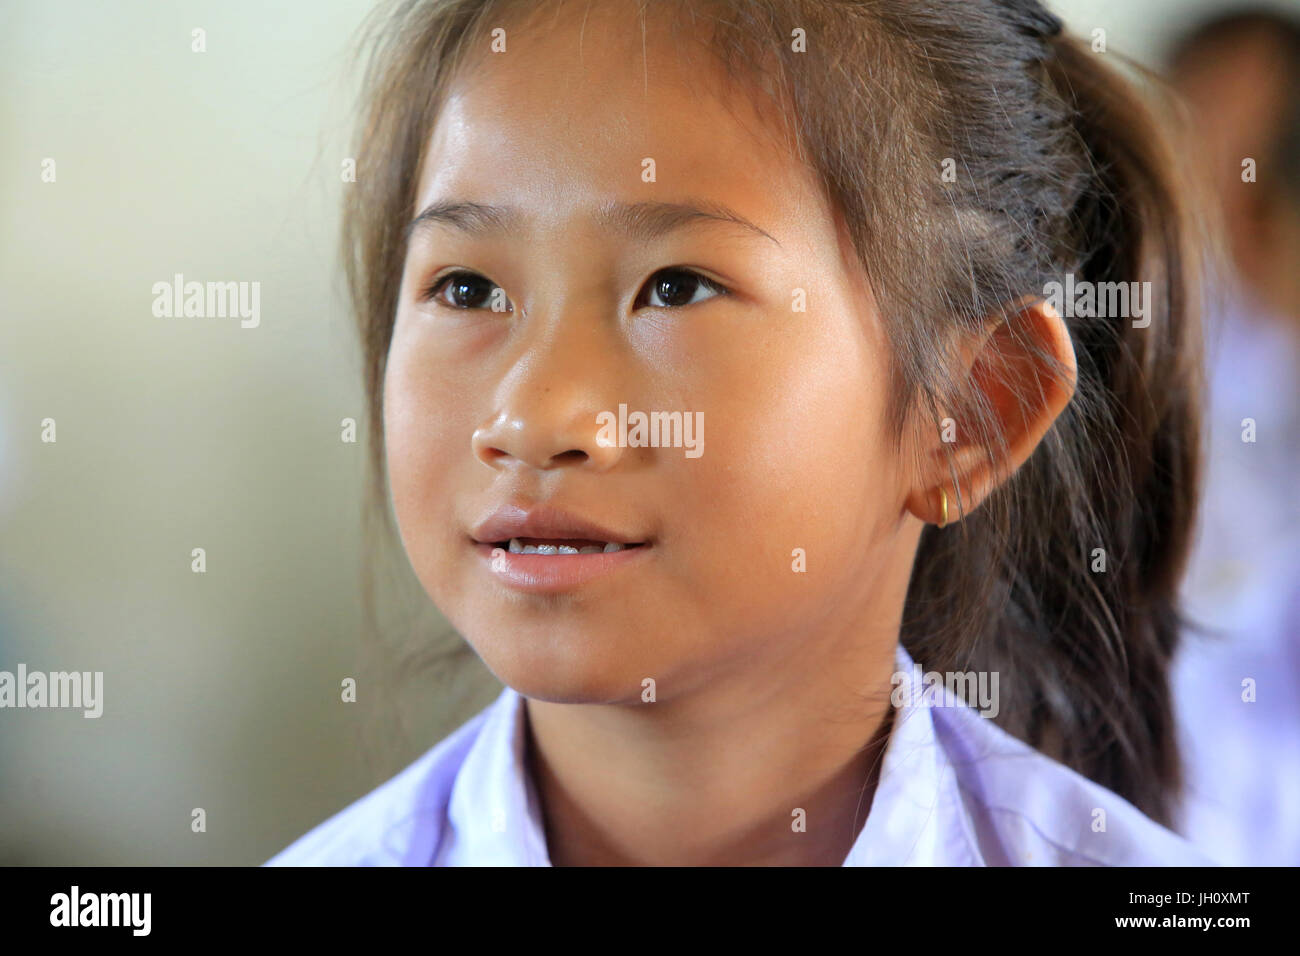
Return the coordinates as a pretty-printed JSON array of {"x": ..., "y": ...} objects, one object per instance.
[{"x": 585, "y": 98}]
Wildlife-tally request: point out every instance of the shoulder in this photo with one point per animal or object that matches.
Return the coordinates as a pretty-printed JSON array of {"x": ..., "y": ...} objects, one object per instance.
[
  {"x": 400, "y": 822},
  {"x": 1026, "y": 809}
]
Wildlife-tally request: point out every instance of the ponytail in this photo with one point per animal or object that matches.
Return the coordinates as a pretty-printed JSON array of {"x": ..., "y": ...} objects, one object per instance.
[{"x": 1095, "y": 529}]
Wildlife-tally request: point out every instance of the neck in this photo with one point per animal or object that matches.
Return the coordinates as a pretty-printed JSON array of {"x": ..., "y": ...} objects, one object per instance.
[{"x": 771, "y": 768}]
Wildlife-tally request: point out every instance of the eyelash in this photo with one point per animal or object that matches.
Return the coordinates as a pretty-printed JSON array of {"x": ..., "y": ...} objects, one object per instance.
[{"x": 438, "y": 285}]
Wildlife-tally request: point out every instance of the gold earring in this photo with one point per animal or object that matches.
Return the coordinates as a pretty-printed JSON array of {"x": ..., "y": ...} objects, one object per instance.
[{"x": 943, "y": 498}]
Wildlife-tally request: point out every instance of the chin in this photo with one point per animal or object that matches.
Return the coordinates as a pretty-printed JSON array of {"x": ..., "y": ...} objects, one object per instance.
[{"x": 563, "y": 666}]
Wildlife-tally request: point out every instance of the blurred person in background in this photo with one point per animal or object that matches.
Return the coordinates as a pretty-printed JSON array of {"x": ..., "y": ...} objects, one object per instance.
[{"x": 1237, "y": 679}]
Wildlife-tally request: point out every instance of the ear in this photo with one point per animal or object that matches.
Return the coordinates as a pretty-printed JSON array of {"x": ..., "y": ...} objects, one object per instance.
[{"x": 1023, "y": 366}]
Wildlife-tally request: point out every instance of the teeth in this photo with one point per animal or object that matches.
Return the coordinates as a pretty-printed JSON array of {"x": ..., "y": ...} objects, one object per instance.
[{"x": 518, "y": 547}]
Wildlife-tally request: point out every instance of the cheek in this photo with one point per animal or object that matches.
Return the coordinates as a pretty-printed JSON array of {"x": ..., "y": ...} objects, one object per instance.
[
  {"x": 796, "y": 457},
  {"x": 423, "y": 439}
]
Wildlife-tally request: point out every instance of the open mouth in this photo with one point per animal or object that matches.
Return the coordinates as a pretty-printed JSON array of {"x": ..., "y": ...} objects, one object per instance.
[
  {"x": 547, "y": 550},
  {"x": 555, "y": 546}
]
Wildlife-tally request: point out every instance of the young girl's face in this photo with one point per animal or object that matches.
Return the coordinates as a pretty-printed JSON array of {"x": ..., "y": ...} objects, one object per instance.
[{"x": 651, "y": 246}]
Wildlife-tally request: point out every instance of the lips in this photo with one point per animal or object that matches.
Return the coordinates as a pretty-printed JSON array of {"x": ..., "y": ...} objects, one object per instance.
[
  {"x": 545, "y": 550},
  {"x": 550, "y": 531}
]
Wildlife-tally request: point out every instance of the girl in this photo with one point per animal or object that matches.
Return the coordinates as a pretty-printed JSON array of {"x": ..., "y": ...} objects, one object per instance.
[{"x": 821, "y": 234}]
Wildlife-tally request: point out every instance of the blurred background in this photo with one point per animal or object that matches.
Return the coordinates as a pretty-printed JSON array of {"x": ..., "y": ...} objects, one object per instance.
[{"x": 223, "y": 688}]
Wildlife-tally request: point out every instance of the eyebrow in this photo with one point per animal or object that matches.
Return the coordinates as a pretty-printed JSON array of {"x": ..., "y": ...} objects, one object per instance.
[{"x": 642, "y": 220}]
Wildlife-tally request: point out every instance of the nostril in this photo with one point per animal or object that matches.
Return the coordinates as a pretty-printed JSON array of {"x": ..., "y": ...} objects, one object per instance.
[{"x": 574, "y": 456}]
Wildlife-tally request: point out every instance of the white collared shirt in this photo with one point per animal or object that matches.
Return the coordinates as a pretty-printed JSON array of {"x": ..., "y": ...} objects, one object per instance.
[{"x": 954, "y": 790}]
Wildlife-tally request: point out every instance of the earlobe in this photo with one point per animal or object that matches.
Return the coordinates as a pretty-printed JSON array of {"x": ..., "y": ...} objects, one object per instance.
[{"x": 936, "y": 505}]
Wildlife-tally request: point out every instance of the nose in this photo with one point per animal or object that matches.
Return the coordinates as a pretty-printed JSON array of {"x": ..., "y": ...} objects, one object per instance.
[{"x": 546, "y": 411}]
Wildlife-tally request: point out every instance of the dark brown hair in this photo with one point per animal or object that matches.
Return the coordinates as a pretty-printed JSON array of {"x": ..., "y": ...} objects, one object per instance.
[{"x": 1060, "y": 168}]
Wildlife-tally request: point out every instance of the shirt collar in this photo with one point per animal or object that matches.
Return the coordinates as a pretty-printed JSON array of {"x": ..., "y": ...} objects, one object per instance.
[
  {"x": 495, "y": 814},
  {"x": 915, "y": 787}
]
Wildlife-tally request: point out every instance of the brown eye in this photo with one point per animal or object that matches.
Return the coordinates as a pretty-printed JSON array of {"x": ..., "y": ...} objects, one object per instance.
[
  {"x": 468, "y": 290},
  {"x": 676, "y": 287}
]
